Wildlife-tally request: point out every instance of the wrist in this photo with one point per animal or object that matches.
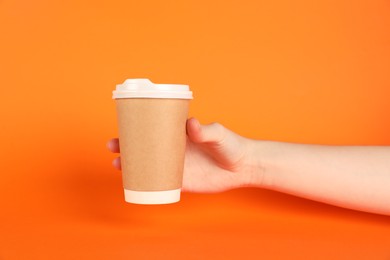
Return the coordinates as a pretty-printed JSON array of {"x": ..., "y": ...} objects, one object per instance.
[{"x": 259, "y": 163}]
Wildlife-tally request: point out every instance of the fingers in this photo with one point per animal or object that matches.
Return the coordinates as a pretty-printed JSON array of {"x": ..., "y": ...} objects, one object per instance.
[
  {"x": 117, "y": 163},
  {"x": 113, "y": 145},
  {"x": 198, "y": 133}
]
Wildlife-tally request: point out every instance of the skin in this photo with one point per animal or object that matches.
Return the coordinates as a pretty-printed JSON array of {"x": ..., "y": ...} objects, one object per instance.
[{"x": 217, "y": 159}]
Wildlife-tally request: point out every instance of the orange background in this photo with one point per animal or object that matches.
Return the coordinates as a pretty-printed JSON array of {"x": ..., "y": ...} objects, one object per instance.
[{"x": 297, "y": 71}]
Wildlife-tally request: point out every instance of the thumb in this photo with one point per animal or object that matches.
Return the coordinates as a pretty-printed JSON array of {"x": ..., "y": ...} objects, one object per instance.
[{"x": 211, "y": 133}]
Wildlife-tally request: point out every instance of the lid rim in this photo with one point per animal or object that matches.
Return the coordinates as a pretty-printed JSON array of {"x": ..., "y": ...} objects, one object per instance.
[{"x": 145, "y": 94}]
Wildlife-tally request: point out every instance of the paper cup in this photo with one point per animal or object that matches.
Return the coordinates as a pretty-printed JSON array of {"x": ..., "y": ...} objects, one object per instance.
[{"x": 152, "y": 137}]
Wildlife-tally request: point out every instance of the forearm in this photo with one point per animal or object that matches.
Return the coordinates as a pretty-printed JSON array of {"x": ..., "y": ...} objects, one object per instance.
[{"x": 354, "y": 177}]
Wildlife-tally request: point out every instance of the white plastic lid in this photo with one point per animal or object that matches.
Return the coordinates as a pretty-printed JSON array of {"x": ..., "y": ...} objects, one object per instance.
[
  {"x": 152, "y": 197},
  {"x": 144, "y": 88}
]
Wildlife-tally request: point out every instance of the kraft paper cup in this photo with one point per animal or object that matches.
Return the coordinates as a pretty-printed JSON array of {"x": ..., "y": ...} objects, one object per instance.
[{"x": 152, "y": 137}]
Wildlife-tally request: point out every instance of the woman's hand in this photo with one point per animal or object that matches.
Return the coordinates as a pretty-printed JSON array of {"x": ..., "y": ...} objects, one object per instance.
[{"x": 216, "y": 159}]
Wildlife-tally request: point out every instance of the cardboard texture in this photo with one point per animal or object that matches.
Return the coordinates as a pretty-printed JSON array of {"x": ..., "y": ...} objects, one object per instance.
[{"x": 152, "y": 139}]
